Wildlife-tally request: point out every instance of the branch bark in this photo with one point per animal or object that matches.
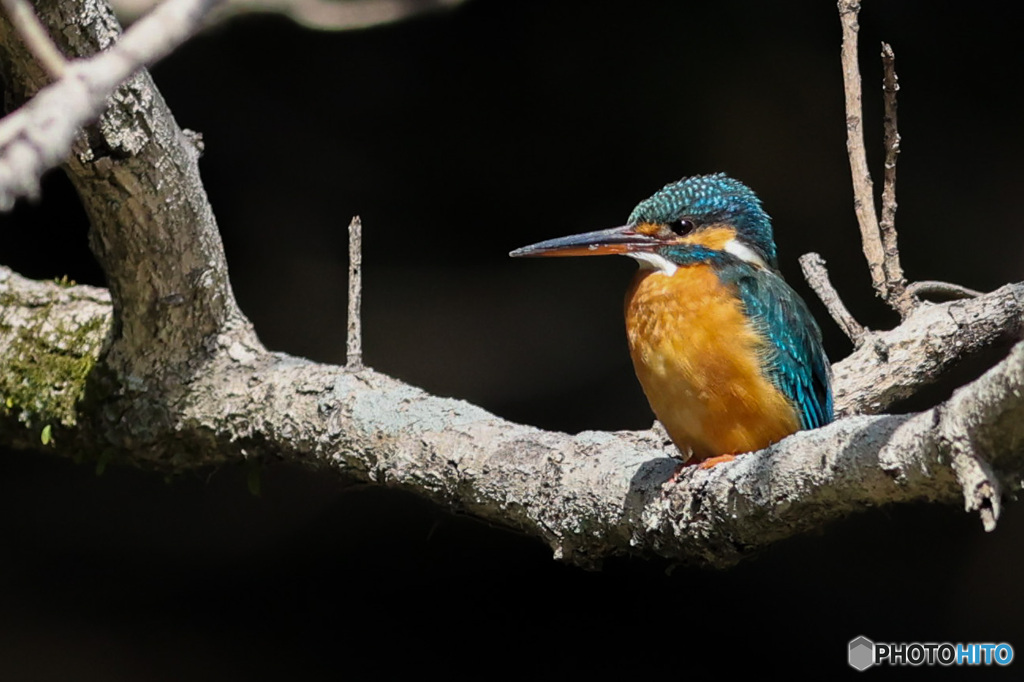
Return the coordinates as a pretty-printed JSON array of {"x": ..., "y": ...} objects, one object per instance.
[
  {"x": 863, "y": 187},
  {"x": 589, "y": 496},
  {"x": 887, "y": 224},
  {"x": 813, "y": 266},
  {"x": 893, "y": 365},
  {"x": 354, "y": 341}
]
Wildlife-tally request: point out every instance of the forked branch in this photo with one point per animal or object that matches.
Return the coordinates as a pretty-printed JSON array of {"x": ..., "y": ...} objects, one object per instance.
[
  {"x": 863, "y": 187},
  {"x": 878, "y": 237}
]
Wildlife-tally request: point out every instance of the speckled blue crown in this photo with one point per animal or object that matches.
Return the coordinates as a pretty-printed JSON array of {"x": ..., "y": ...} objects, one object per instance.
[{"x": 710, "y": 199}]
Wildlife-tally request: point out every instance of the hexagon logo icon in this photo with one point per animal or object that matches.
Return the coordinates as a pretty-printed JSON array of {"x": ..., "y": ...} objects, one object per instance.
[{"x": 861, "y": 653}]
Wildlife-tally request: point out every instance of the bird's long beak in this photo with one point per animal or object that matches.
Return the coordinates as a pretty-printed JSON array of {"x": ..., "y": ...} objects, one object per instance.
[{"x": 620, "y": 240}]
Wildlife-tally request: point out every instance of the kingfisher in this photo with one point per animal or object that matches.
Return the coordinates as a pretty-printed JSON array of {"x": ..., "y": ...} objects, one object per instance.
[{"x": 728, "y": 355}]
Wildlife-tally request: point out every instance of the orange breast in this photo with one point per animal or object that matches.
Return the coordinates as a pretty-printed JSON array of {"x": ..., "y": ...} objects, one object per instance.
[{"x": 697, "y": 359}]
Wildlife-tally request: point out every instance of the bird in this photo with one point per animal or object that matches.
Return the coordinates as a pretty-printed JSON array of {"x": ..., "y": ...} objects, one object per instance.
[{"x": 727, "y": 353}]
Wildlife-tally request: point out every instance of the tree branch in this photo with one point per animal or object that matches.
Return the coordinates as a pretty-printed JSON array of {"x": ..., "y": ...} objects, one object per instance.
[
  {"x": 320, "y": 15},
  {"x": 51, "y": 336},
  {"x": 588, "y": 496},
  {"x": 893, "y": 365},
  {"x": 946, "y": 290},
  {"x": 354, "y": 342},
  {"x": 863, "y": 187},
  {"x": 813, "y": 266},
  {"x": 887, "y": 225},
  {"x": 878, "y": 238}
]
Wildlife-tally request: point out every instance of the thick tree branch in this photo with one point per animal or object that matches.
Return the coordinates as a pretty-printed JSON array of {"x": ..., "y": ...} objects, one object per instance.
[
  {"x": 152, "y": 227},
  {"x": 588, "y": 496},
  {"x": 51, "y": 336},
  {"x": 893, "y": 365}
]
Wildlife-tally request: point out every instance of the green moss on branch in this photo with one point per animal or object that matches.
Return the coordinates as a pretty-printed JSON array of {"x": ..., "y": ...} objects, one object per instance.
[{"x": 47, "y": 365}]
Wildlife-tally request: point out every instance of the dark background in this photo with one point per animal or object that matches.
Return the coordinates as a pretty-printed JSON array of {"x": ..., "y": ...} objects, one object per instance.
[{"x": 458, "y": 137}]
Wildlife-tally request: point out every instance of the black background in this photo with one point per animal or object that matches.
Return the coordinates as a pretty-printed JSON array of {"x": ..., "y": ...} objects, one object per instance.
[{"x": 458, "y": 137}]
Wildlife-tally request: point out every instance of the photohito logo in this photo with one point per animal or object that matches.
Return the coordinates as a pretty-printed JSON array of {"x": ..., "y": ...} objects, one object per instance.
[{"x": 863, "y": 653}]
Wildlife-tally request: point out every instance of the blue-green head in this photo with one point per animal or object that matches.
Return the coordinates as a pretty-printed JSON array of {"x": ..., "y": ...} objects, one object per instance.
[{"x": 704, "y": 201}]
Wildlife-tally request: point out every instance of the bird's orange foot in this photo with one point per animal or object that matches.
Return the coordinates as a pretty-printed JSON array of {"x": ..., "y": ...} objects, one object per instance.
[
  {"x": 712, "y": 461},
  {"x": 705, "y": 464}
]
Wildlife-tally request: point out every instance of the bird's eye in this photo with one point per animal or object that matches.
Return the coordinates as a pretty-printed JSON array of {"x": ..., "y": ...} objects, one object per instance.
[{"x": 681, "y": 226}]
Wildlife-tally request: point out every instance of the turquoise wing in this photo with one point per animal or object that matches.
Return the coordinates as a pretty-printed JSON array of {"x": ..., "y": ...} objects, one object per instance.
[{"x": 797, "y": 364}]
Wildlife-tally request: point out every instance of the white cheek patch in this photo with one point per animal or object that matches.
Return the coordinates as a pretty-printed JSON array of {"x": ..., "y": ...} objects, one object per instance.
[
  {"x": 744, "y": 253},
  {"x": 654, "y": 261}
]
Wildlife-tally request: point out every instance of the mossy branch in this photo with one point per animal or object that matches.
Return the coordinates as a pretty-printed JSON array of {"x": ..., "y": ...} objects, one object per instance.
[{"x": 52, "y": 335}]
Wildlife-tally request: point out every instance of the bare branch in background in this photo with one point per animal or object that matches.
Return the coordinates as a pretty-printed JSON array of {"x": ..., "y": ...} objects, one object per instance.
[
  {"x": 321, "y": 15},
  {"x": 27, "y": 24},
  {"x": 879, "y": 238},
  {"x": 39, "y": 135},
  {"x": 813, "y": 266},
  {"x": 863, "y": 187},
  {"x": 891, "y": 262}
]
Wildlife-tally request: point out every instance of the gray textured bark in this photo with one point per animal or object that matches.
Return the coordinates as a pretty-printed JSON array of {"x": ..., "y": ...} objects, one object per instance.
[
  {"x": 890, "y": 366},
  {"x": 167, "y": 374},
  {"x": 588, "y": 496}
]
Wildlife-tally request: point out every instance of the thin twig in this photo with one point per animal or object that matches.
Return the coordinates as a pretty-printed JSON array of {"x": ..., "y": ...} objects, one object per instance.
[
  {"x": 863, "y": 188},
  {"x": 354, "y": 344},
  {"x": 893, "y": 270},
  {"x": 813, "y": 266},
  {"x": 946, "y": 290},
  {"x": 38, "y": 41}
]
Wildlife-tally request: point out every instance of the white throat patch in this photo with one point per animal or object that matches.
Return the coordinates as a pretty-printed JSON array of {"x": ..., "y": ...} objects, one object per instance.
[{"x": 654, "y": 261}]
